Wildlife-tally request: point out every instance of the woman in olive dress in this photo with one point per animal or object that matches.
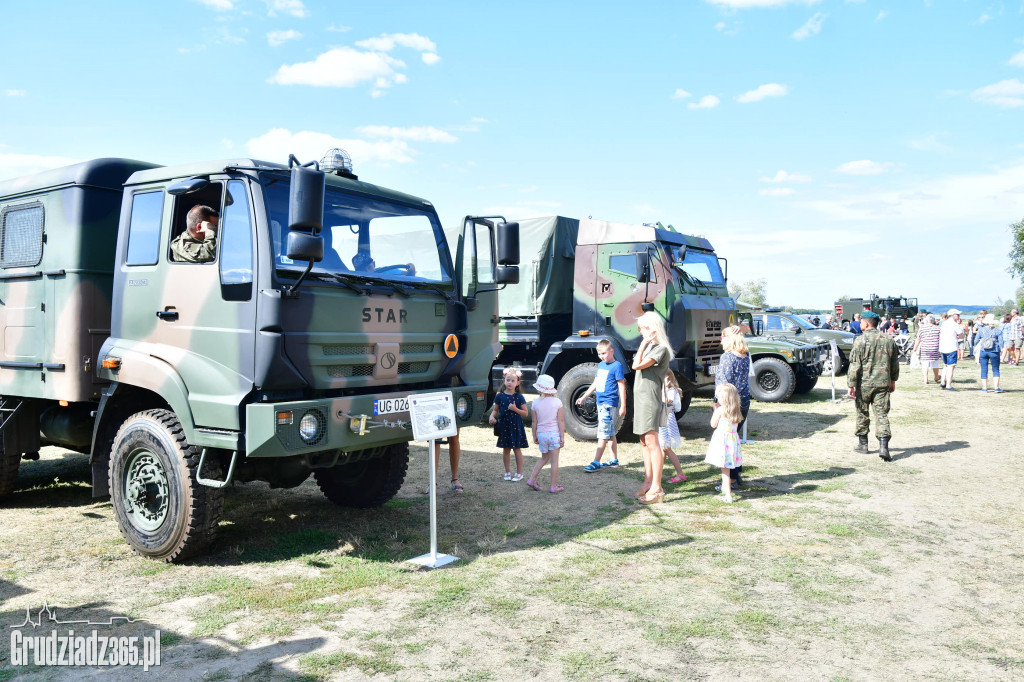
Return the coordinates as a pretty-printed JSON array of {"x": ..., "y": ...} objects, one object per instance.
[{"x": 650, "y": 364}]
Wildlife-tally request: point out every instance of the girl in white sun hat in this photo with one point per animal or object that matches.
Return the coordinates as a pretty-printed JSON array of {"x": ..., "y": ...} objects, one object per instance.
[{"x": 548, "y": 431}]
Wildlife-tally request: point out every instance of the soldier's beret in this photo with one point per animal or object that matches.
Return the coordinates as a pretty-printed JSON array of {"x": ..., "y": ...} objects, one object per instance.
[{"x": 868, "y": 315}]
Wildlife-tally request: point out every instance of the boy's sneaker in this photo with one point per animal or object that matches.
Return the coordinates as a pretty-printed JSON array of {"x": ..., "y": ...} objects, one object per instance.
[
  {"x": 611, "y": 463},
  {"x": 592, "y": 467}
]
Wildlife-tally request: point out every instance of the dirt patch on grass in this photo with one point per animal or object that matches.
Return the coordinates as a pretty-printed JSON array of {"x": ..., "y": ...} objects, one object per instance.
[{"x": 833, "y": 565}]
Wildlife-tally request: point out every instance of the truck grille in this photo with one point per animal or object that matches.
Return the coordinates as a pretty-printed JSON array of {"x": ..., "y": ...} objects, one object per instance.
[
  {"x": 709, "y": 347},
  {"x": 342, "y": 371},
  {"x": 347, "y": 349}
]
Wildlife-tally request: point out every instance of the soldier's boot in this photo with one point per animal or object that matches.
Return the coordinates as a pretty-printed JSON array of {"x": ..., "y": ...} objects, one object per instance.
[
  {"x": 883, "y": 449},
  {"x": 862, "y": 445}
]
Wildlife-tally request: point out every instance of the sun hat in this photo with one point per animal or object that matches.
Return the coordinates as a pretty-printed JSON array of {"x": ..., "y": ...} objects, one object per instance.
[
  {"x": 545, "y": 384},
  {"x": 953, "y": 311}
]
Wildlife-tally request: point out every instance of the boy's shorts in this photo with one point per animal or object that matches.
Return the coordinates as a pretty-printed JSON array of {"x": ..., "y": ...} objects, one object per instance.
[
  {"x": 606, "y": 421},
  {"x": 548, "y": 441},
  {"x": 949, "y": 358},
  {"x": 1017, "y": 343}
]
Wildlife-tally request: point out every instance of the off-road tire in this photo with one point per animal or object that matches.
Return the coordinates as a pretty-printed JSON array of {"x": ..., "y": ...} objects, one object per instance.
[
  {"x": 9, "y": 462},
  {"x": 580, "y": 420},
  {"x": 185, "y": 515},
  {"x": 368, "y": 483},
  {"x": 804, "y": 383},
  {"x": 773, "y": 382}
]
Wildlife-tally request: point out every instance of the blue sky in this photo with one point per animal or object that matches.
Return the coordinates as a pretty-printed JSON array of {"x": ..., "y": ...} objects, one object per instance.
[{"x": 830, "y": 147}]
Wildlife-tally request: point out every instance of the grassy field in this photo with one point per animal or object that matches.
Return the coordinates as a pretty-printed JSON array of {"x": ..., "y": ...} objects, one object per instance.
[{"x": 832, "y": 565}]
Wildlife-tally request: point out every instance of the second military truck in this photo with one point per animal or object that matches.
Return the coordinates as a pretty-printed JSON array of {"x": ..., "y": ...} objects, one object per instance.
[
  {"x": 288, "y": 347},
  {"x": 587, "y": 280}
]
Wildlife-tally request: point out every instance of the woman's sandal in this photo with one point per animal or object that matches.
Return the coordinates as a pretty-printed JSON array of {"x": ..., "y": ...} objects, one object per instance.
[
  {"x": 653, "y": 499},
  {"x": 457, "y": 487}
]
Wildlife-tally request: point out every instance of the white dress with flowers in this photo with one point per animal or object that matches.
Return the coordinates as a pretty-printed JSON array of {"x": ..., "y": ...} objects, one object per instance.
[{"x": 724, "y": 448}]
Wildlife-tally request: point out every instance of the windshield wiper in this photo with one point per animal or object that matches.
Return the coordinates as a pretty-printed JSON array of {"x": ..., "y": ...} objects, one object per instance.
[
  {"x": 386, "y": 283},
  {"x": 433, "y": 288},
  {"x": 693, "y": 280},
  {"x": 343, "y": 279}
]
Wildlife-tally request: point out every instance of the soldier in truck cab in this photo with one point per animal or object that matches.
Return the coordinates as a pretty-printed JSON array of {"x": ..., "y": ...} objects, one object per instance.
[{"x": 198, "y": 243}]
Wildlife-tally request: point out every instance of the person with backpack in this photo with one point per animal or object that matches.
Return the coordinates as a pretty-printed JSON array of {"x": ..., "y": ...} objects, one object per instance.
[{"x": 990, "y": 343}]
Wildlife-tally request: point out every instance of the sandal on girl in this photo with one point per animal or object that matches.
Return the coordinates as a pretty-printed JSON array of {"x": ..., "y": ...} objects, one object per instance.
[
  {"x": 457, "y": 487},
  {"x": 534, "y": 485},
  {"x": 516, "y": 478},
  {"x": 508, "y": 475},
  {"x": 557, "y": 488},
  {"x": 681, "y": 478}
]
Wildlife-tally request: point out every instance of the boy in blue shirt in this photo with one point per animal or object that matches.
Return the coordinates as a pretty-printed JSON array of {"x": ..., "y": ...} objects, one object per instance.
[{"x": 610, "y": 386}]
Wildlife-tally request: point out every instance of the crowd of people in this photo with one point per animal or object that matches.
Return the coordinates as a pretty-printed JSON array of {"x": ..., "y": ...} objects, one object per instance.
[{"x": 939, "y": 343}]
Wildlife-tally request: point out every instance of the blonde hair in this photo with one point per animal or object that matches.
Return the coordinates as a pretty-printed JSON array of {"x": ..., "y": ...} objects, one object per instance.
[
  {"x": 670, "y": 379},
  {"x": 729, "y": 402},
  {"x": 733, "y": 341},
  {"x": 655, "y": 323}
]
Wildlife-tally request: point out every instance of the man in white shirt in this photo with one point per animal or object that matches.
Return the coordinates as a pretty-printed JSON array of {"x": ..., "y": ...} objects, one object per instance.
[{"x": 949, "y": 338}]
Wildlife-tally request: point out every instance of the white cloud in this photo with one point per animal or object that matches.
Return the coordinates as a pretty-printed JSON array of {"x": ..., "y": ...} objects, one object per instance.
[
  {"x": 882, "y": 14},
  {"x": 766, "y": 90},
  {"x": 338, "y": 28},
  {"x": 747, "y": 4},
  {"x": 477, "y": 119},
  {"x": 984, "y": 18},
  {"x": 778, "y": 192},
  {"x": 386, "y": 42},
  {"x": 16, "y": 165},
  {"x": 864, "y": 167},
  {"x": 275, "y": 38},
  {"x": 680, "y": 94},
  {"x": 292, "y": 7},
  {"x": 811, "y": 28},
  {"x": 342, "y": 67},
  {"x": 277, "y": 144},
  {"x": 416, "y": 134},
  {"x": 706, "y": 102},
  {"x": 1008, "y": 93},
  {"x": 430, "y": 58},
  {"x": 1017, "y": 59},
  {"x": 929, "y": 143},
  {"x": 218, "y": 5},
  {"x": 783, "y": 176},
  {"x": 955, "y": 201},
  {"x": 15, "y": 93}
]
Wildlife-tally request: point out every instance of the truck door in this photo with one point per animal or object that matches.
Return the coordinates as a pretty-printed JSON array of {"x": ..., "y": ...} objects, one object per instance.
[
  {"x": 618, "y": 294},
  {"x": 200, "y": 318},
  {"x": 477, "y": 263}
]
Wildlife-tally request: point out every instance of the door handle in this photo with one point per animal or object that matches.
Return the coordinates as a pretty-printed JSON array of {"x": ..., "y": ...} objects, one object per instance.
[{"x": 167, "y": 315}]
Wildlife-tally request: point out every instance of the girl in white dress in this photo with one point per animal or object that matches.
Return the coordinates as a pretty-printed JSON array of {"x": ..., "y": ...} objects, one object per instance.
[
  {"x": 668, "y": 435},
  {"x": 724, "y": 448}
]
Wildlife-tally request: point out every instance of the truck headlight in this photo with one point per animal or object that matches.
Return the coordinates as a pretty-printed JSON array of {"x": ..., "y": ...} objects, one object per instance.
[
  {"x": 309, "y": 427},
  {"x": 463, "y": 406}
]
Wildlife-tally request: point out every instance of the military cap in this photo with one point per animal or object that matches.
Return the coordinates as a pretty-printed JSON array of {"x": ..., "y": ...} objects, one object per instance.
[{"x": 868, "y": 315}]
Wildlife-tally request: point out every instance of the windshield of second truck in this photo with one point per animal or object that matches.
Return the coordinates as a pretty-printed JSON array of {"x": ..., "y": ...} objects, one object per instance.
[
  {"x": 366, "y": 237},
  {"x": 700, "y": 265}
]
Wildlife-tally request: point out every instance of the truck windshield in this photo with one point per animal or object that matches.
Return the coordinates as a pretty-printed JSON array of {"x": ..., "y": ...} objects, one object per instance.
[
  {"x": 366, "y": 236},
  {"x": 800, "y": 321},
  {"x": 700, "y": 265}
]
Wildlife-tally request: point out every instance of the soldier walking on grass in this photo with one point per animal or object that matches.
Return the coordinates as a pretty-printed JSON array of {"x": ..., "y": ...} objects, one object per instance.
[{"x": 874, "y": 369}]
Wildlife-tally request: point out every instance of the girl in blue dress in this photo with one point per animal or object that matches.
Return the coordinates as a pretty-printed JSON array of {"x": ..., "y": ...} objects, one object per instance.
[{"x": 509, "y": 410}]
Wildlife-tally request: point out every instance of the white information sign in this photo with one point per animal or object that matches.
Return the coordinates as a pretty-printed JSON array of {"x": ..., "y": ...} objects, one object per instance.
[
  {"x": 836, "y": 363},
  {"x": 433, "y": 416}
]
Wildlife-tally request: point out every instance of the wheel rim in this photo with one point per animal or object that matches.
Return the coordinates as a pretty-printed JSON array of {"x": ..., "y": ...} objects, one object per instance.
[
  {"x": 768, "y": 381},
  {"x": 146, "y": 490},
  {"x": 586, "y": 413}
]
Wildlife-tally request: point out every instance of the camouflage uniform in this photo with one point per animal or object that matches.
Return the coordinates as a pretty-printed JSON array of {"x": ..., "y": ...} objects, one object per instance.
[
  {"x": 874, "y": 365},
  {"x": 190, "y": 250}
]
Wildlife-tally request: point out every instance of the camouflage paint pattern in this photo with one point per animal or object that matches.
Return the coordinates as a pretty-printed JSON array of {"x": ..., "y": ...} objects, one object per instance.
[{"x": 226, "y": 364}]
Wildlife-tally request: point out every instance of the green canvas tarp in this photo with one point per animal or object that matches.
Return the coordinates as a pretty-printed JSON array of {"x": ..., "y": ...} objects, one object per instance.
[{"x": 547, "y": 250}]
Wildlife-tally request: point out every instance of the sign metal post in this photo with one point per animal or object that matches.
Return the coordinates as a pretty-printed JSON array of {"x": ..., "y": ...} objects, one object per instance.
[{"x": 433, "y": 417}]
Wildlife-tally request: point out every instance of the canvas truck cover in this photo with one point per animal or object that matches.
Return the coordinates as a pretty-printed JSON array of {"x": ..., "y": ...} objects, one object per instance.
[{"x": 547, "y": 265}]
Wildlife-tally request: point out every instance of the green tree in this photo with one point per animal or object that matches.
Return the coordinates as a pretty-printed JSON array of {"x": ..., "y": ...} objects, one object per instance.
[
  {"x": 754, "y": 292},
  {"x": 1017, "y": 252}
]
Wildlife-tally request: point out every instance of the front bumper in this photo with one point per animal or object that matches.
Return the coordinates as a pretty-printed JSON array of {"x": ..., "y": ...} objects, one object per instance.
[{"x": 339, "y": 420}]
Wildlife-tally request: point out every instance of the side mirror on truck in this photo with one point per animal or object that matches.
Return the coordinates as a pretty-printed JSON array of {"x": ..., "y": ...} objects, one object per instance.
[
  {"x": 305, "y": 215},
  {"x": 643, "y": 267},
  {"x": 305, "y": 246},
  {"x": 507, "y": 247}
]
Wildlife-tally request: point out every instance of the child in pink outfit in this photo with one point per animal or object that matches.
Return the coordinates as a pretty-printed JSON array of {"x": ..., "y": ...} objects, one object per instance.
[{"x": 548, "y": 431}]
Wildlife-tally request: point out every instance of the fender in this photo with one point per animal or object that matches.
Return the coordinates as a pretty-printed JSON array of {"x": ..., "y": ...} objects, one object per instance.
[{"x": 576, "y": 342}]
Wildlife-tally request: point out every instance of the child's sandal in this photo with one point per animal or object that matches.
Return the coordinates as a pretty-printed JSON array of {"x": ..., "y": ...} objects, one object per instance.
[{"x": 557, "y": 488}]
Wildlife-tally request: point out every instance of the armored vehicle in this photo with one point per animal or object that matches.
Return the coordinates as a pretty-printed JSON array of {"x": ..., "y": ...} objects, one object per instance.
[
  {"x": 889, "y": 306},
  {"x": 587, "y": 280},
  {"x": 780, "y": 366},
  {"x": 324, "y": 303},
  {"x": 789, "y": 326}
]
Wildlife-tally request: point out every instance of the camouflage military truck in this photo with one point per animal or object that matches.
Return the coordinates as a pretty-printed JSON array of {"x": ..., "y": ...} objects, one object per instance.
[
  {"x": 889, "y": 306},
  {"x": 781, "y": 366},
  {"x": 587, "y": 280},
  {"x": 327, "y": 302}
]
